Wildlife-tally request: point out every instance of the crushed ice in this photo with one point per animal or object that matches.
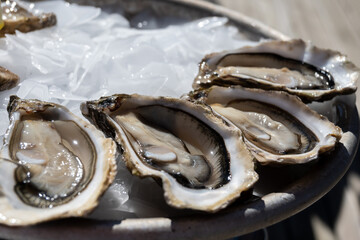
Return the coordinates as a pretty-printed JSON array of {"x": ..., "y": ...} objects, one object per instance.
[{"x": 91, "y": 53}]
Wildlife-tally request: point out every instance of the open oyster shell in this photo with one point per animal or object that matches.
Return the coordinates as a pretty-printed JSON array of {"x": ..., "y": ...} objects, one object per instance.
[
  {"x": 18, "y": 18},
  {"x": 294, "y": 66},
  {"x": 277, "y": 127},
  {"x": 202, "y": 161},
  {"x": 53, "y": 164}
]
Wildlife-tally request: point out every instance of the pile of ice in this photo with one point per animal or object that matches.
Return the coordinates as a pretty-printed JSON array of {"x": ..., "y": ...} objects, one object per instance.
[{"x": 91, "y": 53}]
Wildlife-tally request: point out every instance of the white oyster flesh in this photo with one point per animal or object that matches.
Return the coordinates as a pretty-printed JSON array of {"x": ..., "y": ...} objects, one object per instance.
[
  {"x": 294, "y": 66},
  {"x": 202, "y": 162},
  {"x": 277, "y": 126},
  {"x": 262, "y": 128},
  {"x": 278, "y": 76},
  {"x": 173, "y": 154},
  {"x": 53, "y": 167},
  {"x": 53, "y": 164}
]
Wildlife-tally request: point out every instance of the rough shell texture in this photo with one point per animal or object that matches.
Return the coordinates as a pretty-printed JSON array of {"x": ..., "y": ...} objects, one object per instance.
[
  {"x": 17, "y": 18},
  {"x": 8, "y": 79},
  {"x": 241, "y": 163},
  {"x": 14, "y": 211},
  {"x": 327, "y": 134},
  {"x": 345, "y": 74}
]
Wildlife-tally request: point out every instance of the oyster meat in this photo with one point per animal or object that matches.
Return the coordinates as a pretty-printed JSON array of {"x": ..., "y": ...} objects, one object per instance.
[
  {"x": 202, "y": 161},
  {"x": 8, "y": 79},
  {"x": 278, "y": 127},
  {"x": 294, "y": 66},
  {"x": 18, "y": 18},
  {"x": 53, "y": 164}
]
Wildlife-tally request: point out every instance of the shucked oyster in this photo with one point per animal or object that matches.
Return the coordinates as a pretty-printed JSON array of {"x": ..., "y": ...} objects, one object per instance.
[
  {"x": 278, "y": 127},
  {"x": 18, "y": 18},
  {"x": 202, "y": 161},
  {"x": 53, "y": 164},
  {"x": 294, "y": 66}
]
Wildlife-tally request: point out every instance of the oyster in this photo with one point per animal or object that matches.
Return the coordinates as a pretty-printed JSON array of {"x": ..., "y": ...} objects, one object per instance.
[
  {"x": 16, "y": 17},
  {"x": 8, "y": 79},
  {"x": 202, "y": 161},
  {"x": 278, "y": 127},
  {"x": 53, "y": 164},
  {"x": 294, "y": 66}
]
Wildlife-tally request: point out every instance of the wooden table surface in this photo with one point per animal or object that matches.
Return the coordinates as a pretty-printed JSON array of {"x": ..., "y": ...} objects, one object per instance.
[{"x": 331, "y": 24}]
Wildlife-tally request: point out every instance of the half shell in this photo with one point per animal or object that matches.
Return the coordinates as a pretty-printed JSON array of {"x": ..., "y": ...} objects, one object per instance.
[
  {"x": 202, "y": 161},
  {"x": 278, "y": 127},
  {"x": 294, "y": 66},
  {"x": 54, "y": 164}
]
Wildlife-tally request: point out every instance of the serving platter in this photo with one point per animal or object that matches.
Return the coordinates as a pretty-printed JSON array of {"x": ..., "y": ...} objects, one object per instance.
[{"x": 280, "y": 193}]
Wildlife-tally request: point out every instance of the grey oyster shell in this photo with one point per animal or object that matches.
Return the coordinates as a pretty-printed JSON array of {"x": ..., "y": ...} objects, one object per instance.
[
  {"x": 53, "y": 164},
  {"x": 277, "y": 127},
  {"x": 295, "y": 66},
  {"x": 202, "y": 161},
  {"x": 8, "y": 79},
  {"x": 17, "y": 18}
]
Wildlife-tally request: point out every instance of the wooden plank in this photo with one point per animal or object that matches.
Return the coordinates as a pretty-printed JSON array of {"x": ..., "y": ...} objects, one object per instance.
[{"x": 327, "y": 23}]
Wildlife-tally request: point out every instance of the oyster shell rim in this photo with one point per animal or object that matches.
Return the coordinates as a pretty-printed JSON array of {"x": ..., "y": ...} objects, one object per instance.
[
  {"x": 284, "y": 48},
  {"x": 267, "y": 96},
  {"x": 105, "y": 162},
  {"x": 28, "y": 23},
  {"x": 268, "y": 210},
  {"x": 170, "y": 185}
]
